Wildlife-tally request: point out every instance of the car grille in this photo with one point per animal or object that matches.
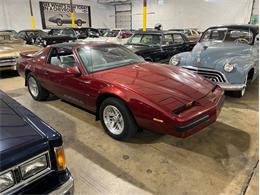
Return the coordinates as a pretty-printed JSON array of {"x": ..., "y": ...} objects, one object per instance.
[
  {"x": 212, "y": 75},
  {"x": 7, "y": 61},
  {"x": 16, "y": 172}
]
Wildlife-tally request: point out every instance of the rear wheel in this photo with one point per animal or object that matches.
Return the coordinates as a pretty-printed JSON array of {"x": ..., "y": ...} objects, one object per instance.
[
  {"x": 116, "y": 119},
  {"x": 35, "y": 88}
]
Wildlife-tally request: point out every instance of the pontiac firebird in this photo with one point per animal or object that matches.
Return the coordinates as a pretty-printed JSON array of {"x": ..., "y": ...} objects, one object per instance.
[{"x": 125, "y": 92}]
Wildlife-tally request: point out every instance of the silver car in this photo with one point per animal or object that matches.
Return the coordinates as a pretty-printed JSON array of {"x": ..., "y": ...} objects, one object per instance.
[{"x": 227, "y": 55}]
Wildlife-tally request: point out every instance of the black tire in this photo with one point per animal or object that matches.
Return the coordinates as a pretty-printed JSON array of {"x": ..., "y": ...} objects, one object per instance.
[
  {"x": 59, "y": 22},
  {"x": 130, "y": 126},
  {"x": 79, "y": 23},
  {"x": 43, "y": 94}
]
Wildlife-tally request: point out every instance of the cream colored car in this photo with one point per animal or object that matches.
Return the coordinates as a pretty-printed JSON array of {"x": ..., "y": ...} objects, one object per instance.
[{"x": 10, "y": 48}]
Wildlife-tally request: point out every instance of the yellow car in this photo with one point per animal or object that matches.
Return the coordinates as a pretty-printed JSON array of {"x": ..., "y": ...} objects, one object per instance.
[{"x": 10, "y": 48}]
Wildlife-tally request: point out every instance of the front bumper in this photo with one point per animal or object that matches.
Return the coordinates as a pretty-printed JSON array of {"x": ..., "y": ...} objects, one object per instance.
[
  {"x": 65, "y": 189},
  {"x": 232, "y": 87}
]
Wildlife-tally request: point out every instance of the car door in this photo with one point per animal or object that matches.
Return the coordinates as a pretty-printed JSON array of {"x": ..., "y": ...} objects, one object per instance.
[
  {"x": 180, "y": 43},
  {"x": 154, "y": 51},
  {"x": 168, "y": 47},
  {"x": 71, "y": 87}
]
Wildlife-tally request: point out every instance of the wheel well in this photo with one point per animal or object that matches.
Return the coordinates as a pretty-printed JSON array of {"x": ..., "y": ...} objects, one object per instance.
[
  {"x": 25, "y": 74},
  {"x": 102, "y": 98},
  {"x": 251, "y": 74}
]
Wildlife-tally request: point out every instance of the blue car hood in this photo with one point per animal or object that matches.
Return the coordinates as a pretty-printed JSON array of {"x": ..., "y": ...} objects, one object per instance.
[
  {"x": 18, "y": 138},
  {"x": 212, "y": 54}
]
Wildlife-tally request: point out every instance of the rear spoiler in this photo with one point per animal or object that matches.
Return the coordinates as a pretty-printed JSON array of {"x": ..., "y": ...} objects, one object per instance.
[{"x": 27, "y": 54}]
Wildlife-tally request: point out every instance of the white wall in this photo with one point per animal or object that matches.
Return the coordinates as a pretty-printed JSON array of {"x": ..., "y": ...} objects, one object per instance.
[
  {"x": 192, "y": 13},
  {"x": 15, "y": 14}
]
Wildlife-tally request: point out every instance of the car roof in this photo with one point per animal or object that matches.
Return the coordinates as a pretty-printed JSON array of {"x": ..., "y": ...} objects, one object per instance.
[
  {"x": 252, "y": 27},
  {"x": 156, "y": 32},
  {"x": 83, "y": 43},
  {"x": 30, "y": 30}
]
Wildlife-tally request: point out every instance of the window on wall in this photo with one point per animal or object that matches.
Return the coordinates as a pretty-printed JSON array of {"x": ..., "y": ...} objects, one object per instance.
[{"x": 123, "y": 16}]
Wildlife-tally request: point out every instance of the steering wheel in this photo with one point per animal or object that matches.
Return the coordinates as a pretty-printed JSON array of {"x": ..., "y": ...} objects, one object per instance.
[{"x": 241, "y": 40}]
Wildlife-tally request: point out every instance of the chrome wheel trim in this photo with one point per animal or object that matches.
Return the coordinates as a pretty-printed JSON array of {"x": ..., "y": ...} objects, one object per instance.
[
  {"x": 113, "y": 120},
  {"x": 33, "y": 87}
]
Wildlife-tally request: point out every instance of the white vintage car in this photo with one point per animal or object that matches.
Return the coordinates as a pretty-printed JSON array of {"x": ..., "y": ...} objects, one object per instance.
[{"x": 114, "y": 36}]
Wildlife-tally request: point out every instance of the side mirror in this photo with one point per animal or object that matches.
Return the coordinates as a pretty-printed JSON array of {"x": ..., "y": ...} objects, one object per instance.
[{"x": 73, "y": 71}]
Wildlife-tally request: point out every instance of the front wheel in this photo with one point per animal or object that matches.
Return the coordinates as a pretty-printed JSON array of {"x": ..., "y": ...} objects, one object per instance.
[
  {"x": 116, "y": 119},
  {"x": 35, "y": 88}
]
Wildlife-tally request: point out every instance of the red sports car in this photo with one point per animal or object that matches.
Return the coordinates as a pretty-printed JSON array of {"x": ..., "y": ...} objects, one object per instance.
[{"x": 124, "y": 91}]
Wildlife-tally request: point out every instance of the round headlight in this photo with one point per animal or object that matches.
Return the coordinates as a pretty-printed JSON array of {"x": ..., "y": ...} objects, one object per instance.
[
  {"x": 229, "y": 67},
  {"x": 175, "y": 60}
]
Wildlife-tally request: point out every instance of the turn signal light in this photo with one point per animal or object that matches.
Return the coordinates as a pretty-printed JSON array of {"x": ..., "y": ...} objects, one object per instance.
[{"x": 60, "y": 158}]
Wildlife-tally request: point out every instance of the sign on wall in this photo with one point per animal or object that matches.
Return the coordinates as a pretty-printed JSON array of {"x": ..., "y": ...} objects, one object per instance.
[{"x": 58, "y": 15}]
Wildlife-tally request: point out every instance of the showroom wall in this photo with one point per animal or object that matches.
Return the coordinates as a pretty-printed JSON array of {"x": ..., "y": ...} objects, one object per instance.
[
  {"x": 192, "y": 13},
  {"x": 15, "y": 14}
]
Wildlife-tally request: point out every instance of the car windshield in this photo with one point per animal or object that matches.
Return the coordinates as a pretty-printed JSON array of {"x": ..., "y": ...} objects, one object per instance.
[
  {"x": 9, "y": 37},
  {"x": 242, "y": 36},
  {"x": 145, "y": 39},
  {"x": 107, "y": 57},
  {"x": 112, "y": 33}
]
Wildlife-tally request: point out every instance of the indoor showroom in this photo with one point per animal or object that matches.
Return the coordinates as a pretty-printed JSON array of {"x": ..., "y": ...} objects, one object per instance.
[{"x": 129, "y": 97}]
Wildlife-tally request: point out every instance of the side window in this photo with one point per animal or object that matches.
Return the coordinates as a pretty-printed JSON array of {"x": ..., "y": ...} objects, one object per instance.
[
  {"x": 62, "y": 57},
  {"x": 168, "y": 39},
  {"x": 178, "y": 38}
]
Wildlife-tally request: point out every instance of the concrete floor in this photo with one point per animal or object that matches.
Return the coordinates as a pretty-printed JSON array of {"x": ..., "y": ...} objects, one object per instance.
[{"x": 221, "y": 159}]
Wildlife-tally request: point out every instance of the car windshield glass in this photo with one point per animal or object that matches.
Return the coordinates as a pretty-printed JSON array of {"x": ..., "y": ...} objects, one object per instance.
[
  {"x": 107, "y": 57},
  {"x": 7, "y": 37},
  {"x": 242, "y": 36},
  {"x": 112, "y": 33},
  {"x": 146, "y": 39}
]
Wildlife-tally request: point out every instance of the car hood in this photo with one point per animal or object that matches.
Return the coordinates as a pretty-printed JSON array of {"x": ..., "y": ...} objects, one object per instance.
[
  {"x": 159, "y": 83},
  {"x": 17, "y": 137},
  {"x": 13, "y": 50},
  {"x": 206, "y": 54}
]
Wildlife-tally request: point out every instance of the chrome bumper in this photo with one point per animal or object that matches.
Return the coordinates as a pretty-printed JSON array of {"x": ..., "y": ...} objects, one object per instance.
[
  {"x": 67, "y": 188},
  {"x": 231, "y": 87}
]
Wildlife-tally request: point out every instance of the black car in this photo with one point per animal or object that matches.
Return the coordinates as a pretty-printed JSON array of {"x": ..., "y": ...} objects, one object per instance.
[
  {"x": 159, "y": 46},
  {"x": 42, "y": 38},
  {"x": 32, "y": 156}
]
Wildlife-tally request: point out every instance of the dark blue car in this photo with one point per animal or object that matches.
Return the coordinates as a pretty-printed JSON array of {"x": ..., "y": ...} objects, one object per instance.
[{"x": 32, "y": 158}]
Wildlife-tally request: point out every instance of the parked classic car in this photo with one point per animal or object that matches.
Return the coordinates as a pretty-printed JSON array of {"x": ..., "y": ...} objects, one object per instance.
[
  {"x": 39, "y": 37},
  {"x": 228, "y": 55},
  {"x": 61, "y": 19},
  {"x": 159, "y": 46},
  {"x": 32, "y": 156},
  {"x": 191, "y": 33},
  {"x": 114, "y": 36},
  {"x": 10, "y": 47},
  {"x": 124, "y": 91}
]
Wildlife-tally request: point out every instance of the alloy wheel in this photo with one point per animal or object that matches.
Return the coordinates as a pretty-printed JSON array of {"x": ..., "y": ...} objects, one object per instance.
[{"x": 113, "y": 120}]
